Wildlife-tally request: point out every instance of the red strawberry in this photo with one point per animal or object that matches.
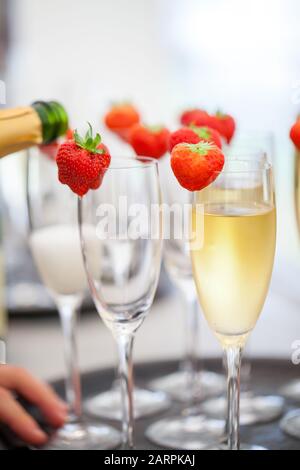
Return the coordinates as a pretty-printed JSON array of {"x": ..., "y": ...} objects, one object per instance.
[
  {"x": 82, "y": 162},
  {"x": 50, "y": 150},
  {"x": 225, "y": 124},
  {"x": 295, "y": 134},
  {"x": 203, "y": 120},
  {"x": 196, "y": 165},
  {"x": 120, "y": 118},
  {"x": 191, "y": 115},
  {"x": 149, "y": 141},
  {"x": 70, "y": 134},
  {"x": 207, "y": 134},
  {"x": 185, "y": 134},
  {"x": 193, "y": 135}
]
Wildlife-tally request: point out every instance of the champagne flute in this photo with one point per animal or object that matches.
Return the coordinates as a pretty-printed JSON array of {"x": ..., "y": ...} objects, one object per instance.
[
  {"x": 123, "y": 259},
  {"x": 55, "y": 244},
  {"x": 188, "y": 385},
  {"x": 257, "y": 145},
  {"x": 290, "y": 423},
  {"x": 232, "y": 248}
]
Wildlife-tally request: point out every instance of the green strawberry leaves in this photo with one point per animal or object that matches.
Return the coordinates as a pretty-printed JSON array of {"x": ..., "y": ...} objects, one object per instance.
[
  {"x": 88, "y": 142},
  {"x": 155, "y": 129},
  {"x": 219, "y": 114},
  {"x": 201, "y": 132},
  {"x": 202, "y": 148}
]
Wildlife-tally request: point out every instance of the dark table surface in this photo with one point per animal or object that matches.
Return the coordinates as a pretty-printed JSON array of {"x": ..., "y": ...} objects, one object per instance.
[{"x": 267, "y": 376}]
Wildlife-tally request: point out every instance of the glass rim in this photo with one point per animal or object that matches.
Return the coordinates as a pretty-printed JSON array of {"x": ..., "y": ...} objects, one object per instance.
[
  {"x": 244, "y": 154},
  {"x": 266, "y": 166},
  {"x": 133, "y": 162}
]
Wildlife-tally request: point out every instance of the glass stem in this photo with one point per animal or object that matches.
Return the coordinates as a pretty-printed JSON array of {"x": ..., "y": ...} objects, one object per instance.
[
  {"x": 125, "y": 344},
  {"x": 68, "y": 316},
  {"x": 233, "y": 363},
  {"x": 192, "y": 343}
]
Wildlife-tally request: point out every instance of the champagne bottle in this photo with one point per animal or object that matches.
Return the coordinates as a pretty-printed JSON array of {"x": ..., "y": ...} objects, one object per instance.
[
  {"x": 20, "y": 128},
  {"x": 40, "y": 123}
]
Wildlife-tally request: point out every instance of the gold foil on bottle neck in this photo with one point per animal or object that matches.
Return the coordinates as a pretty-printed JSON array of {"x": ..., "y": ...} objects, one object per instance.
[{"x": 20, "y": 128}]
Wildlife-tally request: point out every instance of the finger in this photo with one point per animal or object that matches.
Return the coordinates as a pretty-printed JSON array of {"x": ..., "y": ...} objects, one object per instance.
[
  {"x": 14, "y": 416},
  {"x": 35, "y": 391}
]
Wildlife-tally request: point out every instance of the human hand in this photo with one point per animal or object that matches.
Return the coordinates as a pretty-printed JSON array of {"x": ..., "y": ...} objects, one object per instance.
[{"x": 16, "y": 379}]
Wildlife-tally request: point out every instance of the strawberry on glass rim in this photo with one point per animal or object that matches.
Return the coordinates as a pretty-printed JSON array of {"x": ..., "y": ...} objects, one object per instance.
[
  {"x": 196, "y": 116},
  {"x": 224, "y": 124},
  {"x": 69, "y": 134},
  {"x": 82, "y": 162},
  {"x": 120, "y": 118},
  {"x": 149, "y": 141},
  {"x": 196, "y": 165},
  {"x": 295, "y": 134},
  {"x": 193, "y": 135}
]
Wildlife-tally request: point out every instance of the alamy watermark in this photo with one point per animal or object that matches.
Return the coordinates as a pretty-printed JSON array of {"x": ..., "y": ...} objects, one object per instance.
[
  {"x": 296, "y": 352},
  {"x": 123, "y": 221},
  {"x": 2, "y": 92}
]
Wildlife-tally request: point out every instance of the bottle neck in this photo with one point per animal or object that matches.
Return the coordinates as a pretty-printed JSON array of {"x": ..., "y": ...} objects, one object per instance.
[
  {"x": 40, "y": 123},
  {"x": 54, "y": 119}
]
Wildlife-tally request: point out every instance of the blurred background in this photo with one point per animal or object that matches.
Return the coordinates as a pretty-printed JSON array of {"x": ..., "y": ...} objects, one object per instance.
[{"x": 164, "y": 56}]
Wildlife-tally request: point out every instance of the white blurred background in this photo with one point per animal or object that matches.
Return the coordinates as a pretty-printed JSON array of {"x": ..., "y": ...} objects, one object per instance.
[{"x": 164, "y": 56}]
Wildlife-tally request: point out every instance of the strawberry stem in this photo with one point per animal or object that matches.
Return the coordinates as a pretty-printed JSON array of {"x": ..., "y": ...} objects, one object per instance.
[{"x": 88, "y": 142}]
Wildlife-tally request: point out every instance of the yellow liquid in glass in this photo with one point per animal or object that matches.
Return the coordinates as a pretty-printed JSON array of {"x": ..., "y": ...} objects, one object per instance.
[{"x": 232, "y": 269}]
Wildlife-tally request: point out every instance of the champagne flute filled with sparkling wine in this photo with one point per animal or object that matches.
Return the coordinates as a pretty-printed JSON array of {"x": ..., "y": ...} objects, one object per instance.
[
  {"x": 291, "y": 422},
  {"x": 232, "y": 249},
  {"x": 55, "y": 245}
]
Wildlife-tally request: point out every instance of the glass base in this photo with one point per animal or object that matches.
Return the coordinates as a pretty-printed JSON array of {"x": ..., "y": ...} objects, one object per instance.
[
  {"x": 108, "y": 404},
  {"x": 189, "y": 433},
  {"x": 253, "y": 409},
  {"x": 290, "y": 424},
  {"x": 243, "y": 446},
  {"x": 209, "y": 384},
  {"x": 291, "y": 390},
  {"x": 92, "y": 436}
]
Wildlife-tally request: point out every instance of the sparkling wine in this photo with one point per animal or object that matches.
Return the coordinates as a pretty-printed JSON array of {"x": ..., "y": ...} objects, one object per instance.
[
  {"x": 57, "y": 254},
  {"x": 233, "y": 267}
]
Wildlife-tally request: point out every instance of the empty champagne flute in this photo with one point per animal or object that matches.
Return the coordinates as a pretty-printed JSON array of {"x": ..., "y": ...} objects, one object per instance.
[
  {"x": 55, "y": 244},
  {"x": 123, "y": 258},
  {"x": 232, "y": 248},
  {"x": 189, "y": 384}
]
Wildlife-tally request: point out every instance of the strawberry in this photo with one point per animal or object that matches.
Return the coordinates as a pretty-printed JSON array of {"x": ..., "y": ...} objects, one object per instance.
[
  {"x": 196, "y": 165},
  {"x": 120, "y": 118},
  {"x": 193, "y": 135},
  {"x": 191, "y": 116},
  {"x": 224, "y": 124},
  {"x": 70, "y": 134},
  {"x": 207, "y": 134},
  {"x": 82, "y": 162},
  {"x": 295, "y": 134},
  {"x": 184, "y": 134},
  {"x": 149, "y": 141}
]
